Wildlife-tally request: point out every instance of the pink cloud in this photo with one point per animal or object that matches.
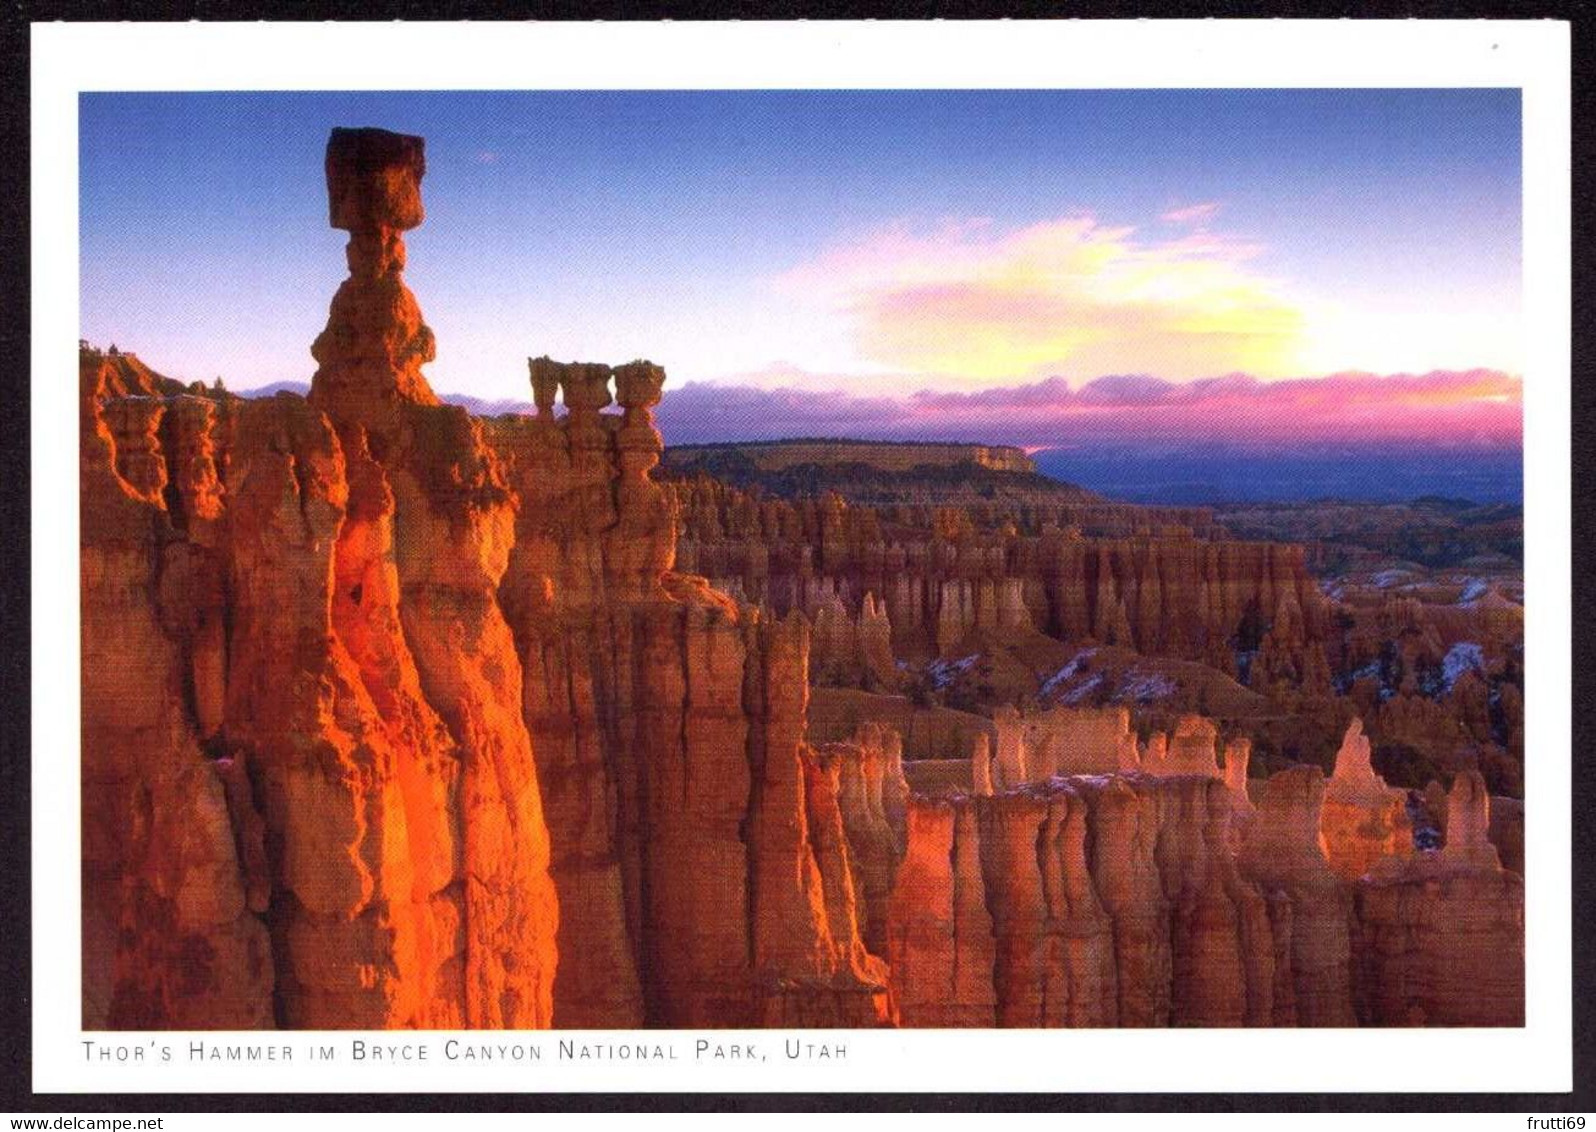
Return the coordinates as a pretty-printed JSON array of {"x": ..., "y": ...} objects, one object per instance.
[
  {"x": 1442, "y": 407},
  {"x": 1192, "y": 213},
  {"x": 968, "y": 301}
]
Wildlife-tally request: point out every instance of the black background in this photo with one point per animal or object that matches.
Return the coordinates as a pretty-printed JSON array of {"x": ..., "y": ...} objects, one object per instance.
[{"x": 15, "y": 590}]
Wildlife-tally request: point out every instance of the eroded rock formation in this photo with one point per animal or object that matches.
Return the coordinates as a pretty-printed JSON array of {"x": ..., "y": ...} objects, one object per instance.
[
  {"x": 697, "y": 847},
  {"x": 1441, "y": 936},
  {"x": 1364, "y": 821},
  {"x": 1111, "y": 901},
  {"x": 325, "y": 571},
  {"x": 944, "y": 573},
  {"x": 1178, "y": 616},
  {"x": 1165, "y": 896},
  {"x": 403, "y": 648},
  {"x": 174, "y": 885}
]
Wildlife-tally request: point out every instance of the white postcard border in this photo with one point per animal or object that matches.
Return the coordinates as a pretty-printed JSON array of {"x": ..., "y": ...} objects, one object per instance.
[{"x": 1533, "y": 56}]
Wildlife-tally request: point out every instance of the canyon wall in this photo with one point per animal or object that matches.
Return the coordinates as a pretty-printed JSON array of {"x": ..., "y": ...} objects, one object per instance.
[
  {"x": 698, "y": 857},
  {"x": 1440, "y": 937},
  {"x": 940, "y": 574},
  {"x": 1136, "y": 900},
  {"x": 939, "y": 578}
]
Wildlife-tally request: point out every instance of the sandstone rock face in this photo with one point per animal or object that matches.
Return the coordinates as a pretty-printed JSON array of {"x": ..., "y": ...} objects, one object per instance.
[
  {"x": 699, "y": 845},
  {"x": 1139, "y": 582},
  {"x": 1191, "y": 748},
  {"x": 1104, "y": 901},
  {"x": 1238, "y": 759},
  {"x": 173, "y": 881},
  {"x": 853, "y": 650},
  {"x": 872, "y": 797},
  {"x": 1034, "y": 746},
  {"x": 1441, "y": 936},
  {"x": 1284, "y": 854},
  {"x": 1507, "y": 832},
  {"x": 1364, "y": 821},
  {"x": 940, "y": 944},
  {"x": 323, "y": 575},
  {"x": 1124, "y": 900}
]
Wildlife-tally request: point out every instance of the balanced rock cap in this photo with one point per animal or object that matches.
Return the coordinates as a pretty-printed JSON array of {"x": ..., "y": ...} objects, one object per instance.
[{"x": 374, "y": 179}]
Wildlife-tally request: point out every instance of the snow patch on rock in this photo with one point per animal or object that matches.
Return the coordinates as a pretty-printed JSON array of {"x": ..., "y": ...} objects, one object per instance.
[
  {"x": 1461, "y": 658},
  {"x": 1143, "y": 687},
  {"x": 944, "y": 672},
  {"x": 1077, "y": 694},
  {"x": 1052, "y": 683}
]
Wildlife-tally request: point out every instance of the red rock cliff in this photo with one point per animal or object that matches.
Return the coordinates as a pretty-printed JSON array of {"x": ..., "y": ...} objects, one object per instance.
[
  {"x": 323, "y": 576},
  {"x": 1109, "y": 573},
  {"x": 698, "y": 852}
]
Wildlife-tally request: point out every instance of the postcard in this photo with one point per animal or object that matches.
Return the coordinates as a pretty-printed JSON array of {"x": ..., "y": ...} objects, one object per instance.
[{"x": 801, "y": 557}]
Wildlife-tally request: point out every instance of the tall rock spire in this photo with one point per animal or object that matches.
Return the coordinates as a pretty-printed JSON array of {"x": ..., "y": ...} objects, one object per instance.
[{"x": 374, "y": 345}]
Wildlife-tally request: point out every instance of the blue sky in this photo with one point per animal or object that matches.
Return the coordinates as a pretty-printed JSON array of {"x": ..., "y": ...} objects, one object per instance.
[{"x": 869, "y": 241}]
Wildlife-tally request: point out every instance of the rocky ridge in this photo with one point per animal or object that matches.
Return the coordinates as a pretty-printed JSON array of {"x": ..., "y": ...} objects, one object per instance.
[{"x": 887, "y": 456}]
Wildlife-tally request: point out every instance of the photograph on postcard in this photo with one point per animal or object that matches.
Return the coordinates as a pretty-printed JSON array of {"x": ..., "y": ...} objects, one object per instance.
[{"x": 802, "y": 559}]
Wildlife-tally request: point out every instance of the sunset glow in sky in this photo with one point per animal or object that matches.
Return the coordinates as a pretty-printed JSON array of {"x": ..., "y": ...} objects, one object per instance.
[{"x": 964, "y": 260}]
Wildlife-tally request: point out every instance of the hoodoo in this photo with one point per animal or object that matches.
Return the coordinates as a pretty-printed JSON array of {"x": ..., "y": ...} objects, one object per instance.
[{"x": 375, "y": 343}]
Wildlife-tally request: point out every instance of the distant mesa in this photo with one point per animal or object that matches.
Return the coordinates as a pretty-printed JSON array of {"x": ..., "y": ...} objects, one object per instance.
[
  {"x": 875, "y": 471},
  {"x": 884, "y": 455}
]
